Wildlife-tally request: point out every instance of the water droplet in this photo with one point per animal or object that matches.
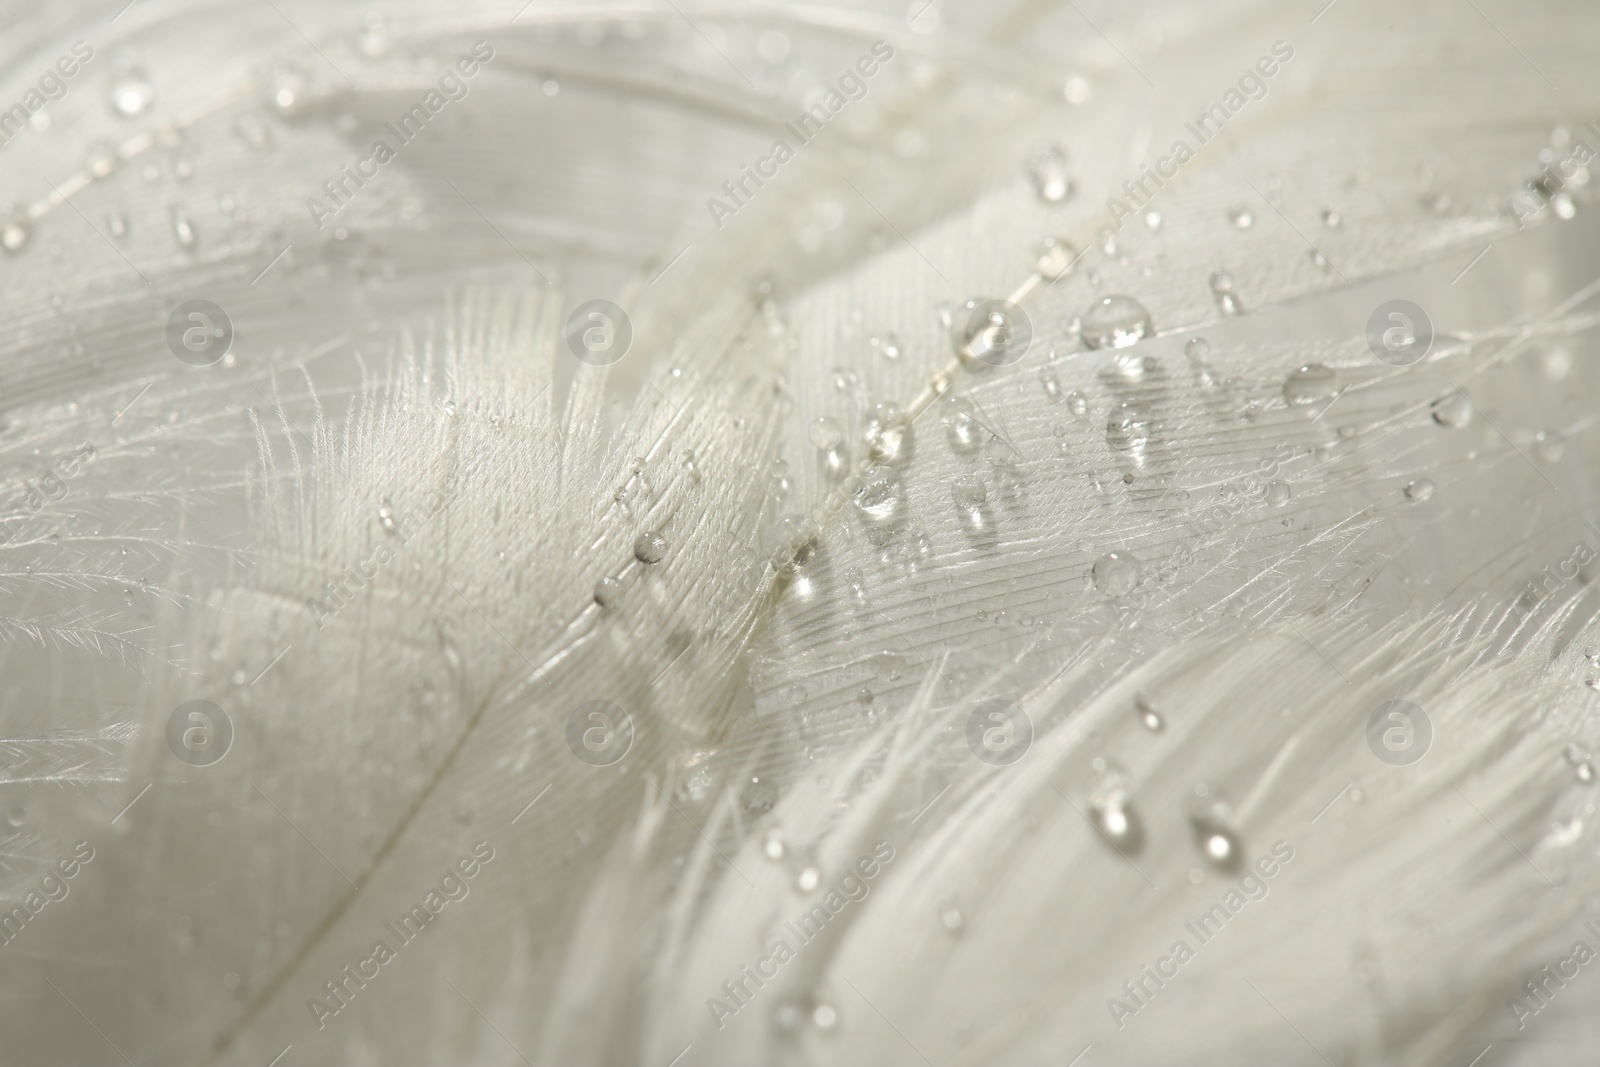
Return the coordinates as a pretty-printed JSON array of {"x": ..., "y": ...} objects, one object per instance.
[
  {"x": 1241, "y": 218},
  {"x": 994, "y": 333},
  {"x": 386, "y": 517},
  {"x": 961, "y": 428},
  {"x": 101, "y": 160},
  {"x": 288, "y": 88},
  {"x": 448, "y": 405},
  {"x": 1054, "y": 258},
  {"x": 887, "y": 433},
  {"x": 1048, "y": 168},
  {"x": 1197, "y": 349},
  {"x": 1117, "y": 573},
  {"x": 184, "y": 231},
  {"x": 1419, "y": 490},
  {"x": 1077, "y": 403},
  {"x": 1331, "y": 219},
  {"x": 1129, "y": 430},
  {"x": 825, "y": 1017},
  {"x": 650, "y": 548},
  {"x": 1216, "y": 838},
  {"x": 1111, "y": 811},
  {"x": 879, "y": 496},
  {"x": 760, "y": 795},
  {"x": 968, "y": 491},
  {"x": 951, "y": 918},
  {"x": 808, "y": 879},
  {"x": 1320, "y": 261},
  {"x": 15, "y": 816},
  {"x": 1314, "y": 383},
  {"x": 792, "y": 543},
  {"x": 1152, "y": 221},
  {"x": 787, "y": 1017},
  {"x": 1221, "y": 283},
  {"x": 1052, "y": 384},
  {"x": 1563, "y": 205},
  {"x": 826, "y": 433},
  {"x": 773, "y": 845},
  {"x": 1549, "y": 447},
  {"x": 14, "y": 236},
  {"x": 1278, "y": 493},
  {"x": 1584, "y": 772},
  {"x": 607, "y": 591},
  {"x": 1149, "y": 715},
  {"x": 118, "y": 226},
  {"x": 1564, "y": 832},
  {"x": 132, "y": 93},
  {"x": 1115, "y": 322},
  {"x": 1452, "y": 411}
]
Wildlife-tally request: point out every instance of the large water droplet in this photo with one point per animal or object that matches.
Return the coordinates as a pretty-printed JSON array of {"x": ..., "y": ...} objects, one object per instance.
[
  {"x": 1117, "y": 573},
  {"x": 1115, "y": 322},
  {"x": 1277, "y": 493},
  {"x": 1314, "y": 383},
  {"x": 650, "y": 548},
  {"x": 1048, "y": 168}
]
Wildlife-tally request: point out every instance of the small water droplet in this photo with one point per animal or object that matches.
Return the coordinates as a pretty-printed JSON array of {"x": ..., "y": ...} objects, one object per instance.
[
  {"x": 288, "y": 88},
  {"x": 1563, "y": 832},
  {"x": 1077, "y": 403},
  {"x": 1331, "y": 219},
  {"x": 787, "y": 1017},
  {"x": 1549, "y": 447},
  {"x": 1152, "y": 221},
  {"x": 968, "y": 491},
  {"x": 1314, "y": 383},
  {"x": 961, "y": 428},
  {"x": 887, "y": 433},
  {"x": 1149, "y": 715},
  {"x": 825, "y": 1017},
  {"x": 1129, "y": 430},
  {"x": 1197, "y": 349},
  {"x": 1584, "y": 772},
  {"x": 118, "y": 226},
  {"x": 1452, "y": 411},
  {"x": 808, "y": 879},
  {"x": 773, "y": 845},
  {"x": 1419, "y": 490},
  {"x": 15, "y": 816},
  {"x": 879, "y": 496},
  {"x": 607, "y": 591},
  {"x": 1216, "y": 838},
  {"x": 1054, "y": 258},
  {"x": 650, "y": 548},
  {"x": 448, "y": 406},
  {"x": 132, "y": 93},
  {"x": 1052, "y": 384},
  {"x": 386, "y": 517},
  {"x": 1278, "y": 493},
  {"x": 14, "y": 236},
  {"x": 101, "y": 160},
  {"x": 1048, "y": 168},
  {"x": 1115, "y": 322},
  {"x": 1241, "y": 218},
  {"x": 184, "y": 231},
  {"x": 1111, "y": 811},
  {"x": 992, "y": 333},
  {"x": 951, "y": 918},
  {"x": 1228, "y": 302},
  {"x": 1117, "y": 573}
]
